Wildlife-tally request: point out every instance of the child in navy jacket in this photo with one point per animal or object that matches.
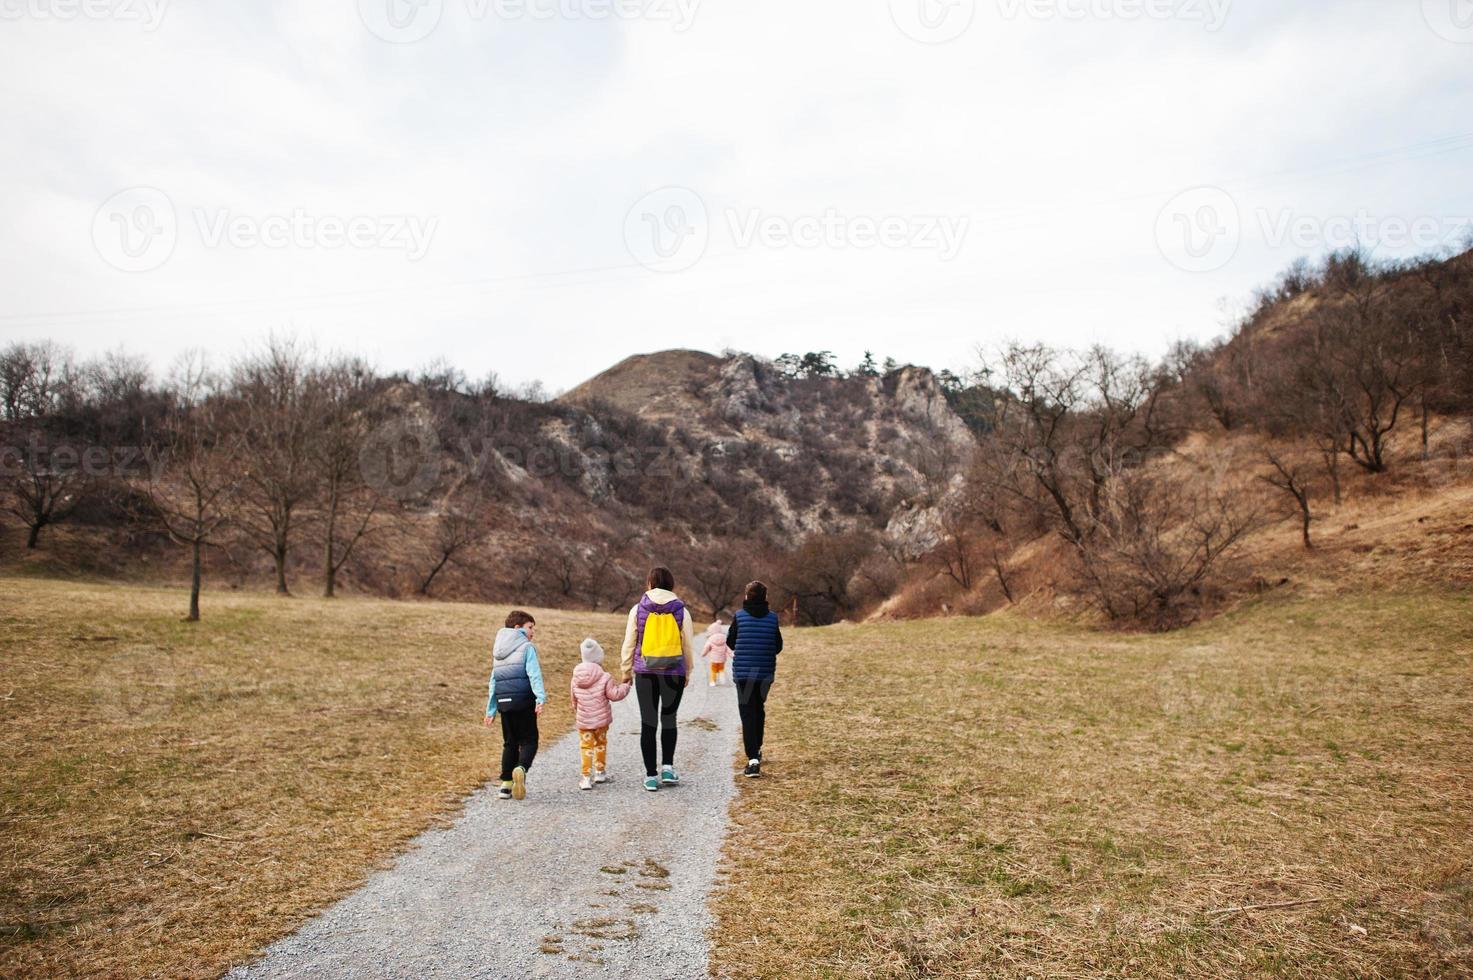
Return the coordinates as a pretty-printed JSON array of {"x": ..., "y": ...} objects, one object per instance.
[{"x": 755, "y": 640}]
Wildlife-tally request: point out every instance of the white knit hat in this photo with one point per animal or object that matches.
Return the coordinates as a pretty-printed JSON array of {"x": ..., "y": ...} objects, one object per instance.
[{"x": 592, "y": 652}]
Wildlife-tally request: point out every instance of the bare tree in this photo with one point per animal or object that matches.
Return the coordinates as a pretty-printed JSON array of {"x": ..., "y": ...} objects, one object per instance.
[
  {"x": 45, "y": 478},
  {"x": 1362, "y": 362},
  {"x": 560, "y": 569},
  {"x": 718, "y": 574},
  {"x": 1002, "y": 569},
  {"x": 956, "y": 553},
  {"x": 44, "y": 472},
  {"x": 35, "y": 381},
  {"x": 349, "y": 504},
  {"x": 821, "y": 575},
  {"x": 526, "y": 571},
  {"x": 274, "y": 417},
  {"x": 1291, "y": 479},
  {"x": 1155, "y": 546},
  {"x": 607, "y": 584},
  {"x": 460, "y": 524},
  {"x": 1066, "y": 424},
  {"x": 193, "y": 494}
]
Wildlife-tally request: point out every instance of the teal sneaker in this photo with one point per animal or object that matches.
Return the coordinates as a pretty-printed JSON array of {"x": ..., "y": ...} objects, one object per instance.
[
  {"x": 668, "y": 777},
  {"x": 652, "y": 784}
]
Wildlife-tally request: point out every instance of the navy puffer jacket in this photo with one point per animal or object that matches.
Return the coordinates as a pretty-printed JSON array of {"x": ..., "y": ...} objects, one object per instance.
[{"x": 755, "y": 639}]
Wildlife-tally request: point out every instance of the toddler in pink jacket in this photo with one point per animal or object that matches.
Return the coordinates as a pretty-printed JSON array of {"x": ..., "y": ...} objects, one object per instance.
[
  {"x": 716, "y": 651},
  {"x": 594, "y": 689}
]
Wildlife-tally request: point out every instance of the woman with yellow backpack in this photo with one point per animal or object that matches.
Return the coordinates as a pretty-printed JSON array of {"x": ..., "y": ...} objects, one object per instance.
[{"x": 657, "y": 654}]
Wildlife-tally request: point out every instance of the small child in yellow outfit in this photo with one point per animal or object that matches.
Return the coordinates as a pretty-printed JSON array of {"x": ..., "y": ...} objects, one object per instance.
[{"x": 716, "y": 652}]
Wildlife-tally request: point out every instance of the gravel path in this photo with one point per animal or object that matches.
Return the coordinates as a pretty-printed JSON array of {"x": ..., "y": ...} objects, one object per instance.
[{"x": 608, "y": 882}]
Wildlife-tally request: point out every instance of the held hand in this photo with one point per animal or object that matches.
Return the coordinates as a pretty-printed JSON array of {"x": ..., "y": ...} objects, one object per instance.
[{"x": 624, "y": 677}]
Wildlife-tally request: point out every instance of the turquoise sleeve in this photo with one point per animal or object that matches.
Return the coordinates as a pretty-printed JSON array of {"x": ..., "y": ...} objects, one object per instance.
[{"x": 534, "y": 674}]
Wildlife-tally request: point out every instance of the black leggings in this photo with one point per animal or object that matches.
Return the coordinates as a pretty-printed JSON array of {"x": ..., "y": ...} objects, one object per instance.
[
  {"x": 518, "y": 741},
  {"x": 752, "y": 706},
  {"x": 659, "y": 700}
]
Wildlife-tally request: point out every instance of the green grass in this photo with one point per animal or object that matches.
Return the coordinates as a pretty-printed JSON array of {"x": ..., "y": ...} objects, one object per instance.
[
  {"x": 1009, "y": 798},
  {"x": 177, "y": 795}
]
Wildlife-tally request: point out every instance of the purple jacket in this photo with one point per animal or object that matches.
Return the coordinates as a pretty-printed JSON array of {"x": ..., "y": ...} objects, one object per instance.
[{"x": 656, "y": 601}]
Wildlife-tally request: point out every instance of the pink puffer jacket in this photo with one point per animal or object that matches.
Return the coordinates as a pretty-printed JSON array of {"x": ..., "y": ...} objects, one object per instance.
[
  {"x": 716, "y": 649},
  {"x": 593, "y": 689}
]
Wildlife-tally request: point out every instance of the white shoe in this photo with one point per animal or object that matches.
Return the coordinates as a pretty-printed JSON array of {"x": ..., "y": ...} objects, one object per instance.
[
  {"x": 710, "y": 683},
  {"x": 600, "y": 777},
  {"x": 586, "y": 782}
]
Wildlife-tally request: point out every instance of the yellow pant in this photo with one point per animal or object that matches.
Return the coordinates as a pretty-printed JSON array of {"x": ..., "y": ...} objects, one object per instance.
[
  {"x": 593, "y": 745},
  {"x": 716, "y": 671}
]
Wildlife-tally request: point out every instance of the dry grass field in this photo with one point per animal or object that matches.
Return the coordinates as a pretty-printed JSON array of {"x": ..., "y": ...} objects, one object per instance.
[
  {"x": 174, "y": 796},
  {"x": 1284, "y": 791}
]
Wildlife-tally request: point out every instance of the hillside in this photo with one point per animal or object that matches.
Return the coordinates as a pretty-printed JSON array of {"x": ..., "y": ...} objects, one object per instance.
[
  {"x": 715, "y": 465},
  {"x": 1325, "y": 443},
  {"x": 1327, "y": 437}
]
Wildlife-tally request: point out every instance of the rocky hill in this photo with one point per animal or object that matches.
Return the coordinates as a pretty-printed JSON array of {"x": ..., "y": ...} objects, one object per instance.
[{"x": 821, "y": 454}]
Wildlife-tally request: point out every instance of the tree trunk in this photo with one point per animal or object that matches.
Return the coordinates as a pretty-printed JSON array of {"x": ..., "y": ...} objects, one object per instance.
[
  {"x": 329, "y": 567},
  {"x": 1304, "y": 513},
  {"x": 279, "y": 556},
  {"x": 424, "y": 588},
  {"x": 34, "y": 536},
  {"x": 1001, "y": 572},
  {"x": 194, "y": 583},
  {"x": 1426, "y": 453}
]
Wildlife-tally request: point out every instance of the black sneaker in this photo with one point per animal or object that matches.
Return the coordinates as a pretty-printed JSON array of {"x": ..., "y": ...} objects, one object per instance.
[
  {"x": 504, "y": 793},
  {"x": 754, "y": 768}
]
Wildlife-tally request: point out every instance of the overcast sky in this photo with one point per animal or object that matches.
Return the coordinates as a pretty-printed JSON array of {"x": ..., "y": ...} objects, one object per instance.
[{"x": 542, "y": 187}]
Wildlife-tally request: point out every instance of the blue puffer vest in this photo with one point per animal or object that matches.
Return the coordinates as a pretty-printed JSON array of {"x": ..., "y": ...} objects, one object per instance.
[
  {"x": 513, "y": 685},
  {"x": 754, "y": 658}
]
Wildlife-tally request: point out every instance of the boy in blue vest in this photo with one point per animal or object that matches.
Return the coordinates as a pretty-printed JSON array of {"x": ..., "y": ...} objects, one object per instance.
[
  {"x": 755, "y": 639},
  {"x": 516, "y": 693}
]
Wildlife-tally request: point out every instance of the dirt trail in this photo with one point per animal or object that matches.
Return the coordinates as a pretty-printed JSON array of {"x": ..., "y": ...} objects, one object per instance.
[{"x": 608, "y": 882}]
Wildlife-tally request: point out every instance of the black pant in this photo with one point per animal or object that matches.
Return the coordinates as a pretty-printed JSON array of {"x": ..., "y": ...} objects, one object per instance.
[
  {"x": 659, "y": 700},
  {"x": 518, "y": 740},
  {"x": 752, "y": 706}
]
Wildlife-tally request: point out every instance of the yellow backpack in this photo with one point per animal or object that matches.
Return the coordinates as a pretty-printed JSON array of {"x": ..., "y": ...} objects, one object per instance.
[{"x": 660, "y": 645}]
